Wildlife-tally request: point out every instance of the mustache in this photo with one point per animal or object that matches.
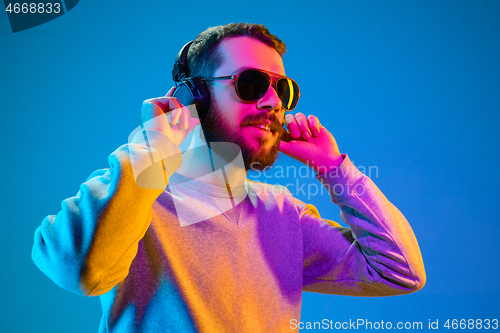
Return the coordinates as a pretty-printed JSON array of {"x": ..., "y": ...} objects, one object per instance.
[{"x": 274, "y": 126}]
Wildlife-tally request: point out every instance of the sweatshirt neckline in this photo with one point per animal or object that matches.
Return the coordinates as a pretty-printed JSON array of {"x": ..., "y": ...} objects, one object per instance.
[{"x": 212, "y": 190}]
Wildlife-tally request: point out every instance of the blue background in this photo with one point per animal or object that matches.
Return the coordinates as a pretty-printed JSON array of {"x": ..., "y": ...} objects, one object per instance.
[{"x": 411, "y": 87}]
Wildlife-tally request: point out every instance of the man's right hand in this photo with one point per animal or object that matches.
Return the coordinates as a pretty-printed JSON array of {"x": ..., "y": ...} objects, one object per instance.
[{"x": 154, "y": 117}]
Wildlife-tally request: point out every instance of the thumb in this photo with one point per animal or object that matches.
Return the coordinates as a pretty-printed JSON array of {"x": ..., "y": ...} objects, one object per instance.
[
  {"x": 299, "y": 150},
  {"x": 170, "y": 92},
  {"x": 287, "y": 148}
]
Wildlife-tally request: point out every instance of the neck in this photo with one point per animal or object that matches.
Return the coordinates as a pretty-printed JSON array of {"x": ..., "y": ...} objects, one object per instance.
[{"x": 219, "y": 163}]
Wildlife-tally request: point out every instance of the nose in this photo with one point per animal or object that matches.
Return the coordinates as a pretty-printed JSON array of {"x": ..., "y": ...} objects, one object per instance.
[{"x": 270, "y": 101}]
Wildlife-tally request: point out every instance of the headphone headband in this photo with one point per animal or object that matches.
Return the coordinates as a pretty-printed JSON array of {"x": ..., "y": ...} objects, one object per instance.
[{"x": 181, "y": 70}]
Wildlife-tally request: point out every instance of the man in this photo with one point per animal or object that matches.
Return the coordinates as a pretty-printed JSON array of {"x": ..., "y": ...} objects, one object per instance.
[{"x": 162, "y": 260}]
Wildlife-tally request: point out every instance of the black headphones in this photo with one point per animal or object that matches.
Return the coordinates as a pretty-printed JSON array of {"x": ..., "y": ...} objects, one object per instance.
[{"x": 189, "y": 90}]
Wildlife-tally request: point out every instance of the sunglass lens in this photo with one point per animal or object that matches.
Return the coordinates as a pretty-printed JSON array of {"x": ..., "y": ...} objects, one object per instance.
[
  {"x": 252, "y": 85},
  {"x": 288, "y": 92}
]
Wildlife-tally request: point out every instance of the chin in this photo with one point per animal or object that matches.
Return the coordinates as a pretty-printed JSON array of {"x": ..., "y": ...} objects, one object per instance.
[{"x": 259, "y": 159}]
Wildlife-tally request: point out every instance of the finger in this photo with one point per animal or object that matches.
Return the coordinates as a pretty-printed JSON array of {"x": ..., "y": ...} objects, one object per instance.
[
  {"x": 193, "y": 122},
  {"x": 184, "y": 118},
  {"x": 165, "y": 104},
  {"x": 293, "y": 127},
  {"x": 170, "y": 104},
  {"x": 179, "y": 111},
  {"x": 151, "y": 109},
  {"x": 153, "y": 116},
  {"x": 313, "y": 122},
  {"x": 303, "y": 125},
  {"x": 170, "y": 92},
  {"x": 174, "y": 117}
]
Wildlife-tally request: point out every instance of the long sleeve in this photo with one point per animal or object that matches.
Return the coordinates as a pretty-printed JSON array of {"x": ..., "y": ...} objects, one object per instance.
[
  {"x": 377, "y": 256},
  {"x": 89, "y": 246}
]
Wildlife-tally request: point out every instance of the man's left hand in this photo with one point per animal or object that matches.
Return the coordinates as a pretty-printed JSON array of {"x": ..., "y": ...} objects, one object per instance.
[{"x": 320, "y": 150}]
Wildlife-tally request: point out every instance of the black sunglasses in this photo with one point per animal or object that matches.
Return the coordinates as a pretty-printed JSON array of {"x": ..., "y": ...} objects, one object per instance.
[{"x": 252, "y": 84}]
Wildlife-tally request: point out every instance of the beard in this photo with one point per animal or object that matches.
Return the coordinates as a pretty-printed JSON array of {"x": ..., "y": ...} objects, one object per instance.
[{"x": 216, "y": 129}]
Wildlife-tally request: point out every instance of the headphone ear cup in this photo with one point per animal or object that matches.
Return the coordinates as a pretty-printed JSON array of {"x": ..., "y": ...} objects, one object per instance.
[
  {"x": 193, "y": 91},
  {"x": 201, "y": 95}
]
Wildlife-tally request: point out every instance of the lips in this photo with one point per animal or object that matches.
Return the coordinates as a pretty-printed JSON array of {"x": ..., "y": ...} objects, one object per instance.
[
  {"x": 264, "y": 122},
  {"x": 261, "y": 126}
]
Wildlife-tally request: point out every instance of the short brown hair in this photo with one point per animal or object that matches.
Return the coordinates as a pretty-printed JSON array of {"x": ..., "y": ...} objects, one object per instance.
[{"x": 203, "y": 57}]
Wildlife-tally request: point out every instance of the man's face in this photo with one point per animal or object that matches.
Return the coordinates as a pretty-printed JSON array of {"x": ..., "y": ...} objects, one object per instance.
[{"x": 231, "y": 119}]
